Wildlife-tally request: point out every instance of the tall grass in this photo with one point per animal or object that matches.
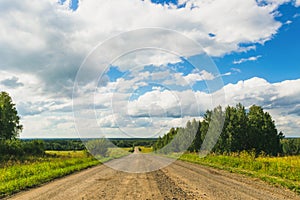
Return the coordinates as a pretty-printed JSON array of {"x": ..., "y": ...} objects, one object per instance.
[
  {"x": 283, "y": 171},
  {"x": 19, "y": 175},
  {"x": 146, "y": 149}
]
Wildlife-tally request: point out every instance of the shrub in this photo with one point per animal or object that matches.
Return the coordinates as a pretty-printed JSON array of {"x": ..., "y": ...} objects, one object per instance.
[
  {"x": 17, "y": 149},
  {"x": 98, "y": 147}
]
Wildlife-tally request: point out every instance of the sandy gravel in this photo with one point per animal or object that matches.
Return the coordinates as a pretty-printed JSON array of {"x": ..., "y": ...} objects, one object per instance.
[{"x": 180, "y": 180}]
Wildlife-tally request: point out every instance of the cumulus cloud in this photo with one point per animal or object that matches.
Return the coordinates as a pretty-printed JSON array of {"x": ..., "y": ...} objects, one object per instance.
[
  {"x": 194, "y": 77},
  {"x": 43, "y": 43},
  {"x": 50, "y": 40},
  {"x": 280, "y": 99},
  {"x": 70, "y": 35},
  {"x": 155, "y": 111}
]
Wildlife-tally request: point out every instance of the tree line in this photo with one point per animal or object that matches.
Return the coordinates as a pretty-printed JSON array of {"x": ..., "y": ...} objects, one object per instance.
[
  {"x": 252, "y": 130},
  {"x": 132, "y": 142},
  {"x": 291, "y": 146},
  {"x": 64, "y": 144}
]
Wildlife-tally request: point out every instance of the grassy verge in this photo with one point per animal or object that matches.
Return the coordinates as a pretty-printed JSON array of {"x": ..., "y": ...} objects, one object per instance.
[
  {"x": 16, "y": 176},
  {"x": 146, "y": 149},
  {"x": 284, "y": 171}
]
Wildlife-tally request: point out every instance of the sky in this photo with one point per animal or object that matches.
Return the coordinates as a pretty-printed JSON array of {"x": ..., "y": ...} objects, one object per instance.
[{"x": 135, "y": 68}]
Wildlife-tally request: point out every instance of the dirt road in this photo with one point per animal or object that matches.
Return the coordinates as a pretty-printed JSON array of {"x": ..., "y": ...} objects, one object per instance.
[{"x": 179, "y": 180}]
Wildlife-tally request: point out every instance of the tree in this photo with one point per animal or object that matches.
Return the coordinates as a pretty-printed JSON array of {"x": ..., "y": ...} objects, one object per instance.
[
  {"x": 262, "y": 133},
  {"x": 234, "y": 134},
  {"x": 10, "y": 126},
  {"x": 241, "y": 129},
  {"x": 196, "y": 144},
  {"x": 291, "y": 146},
  {"x": 215, "y": 128},
  {"x": 270, "y": 134},
  {"x": 226, "y": 138}
]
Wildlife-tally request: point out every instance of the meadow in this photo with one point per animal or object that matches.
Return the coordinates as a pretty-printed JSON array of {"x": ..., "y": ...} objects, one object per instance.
[
  {"x": 284, "y": 171},
  {"x": 146, "y": 149},
  {"x": 33, "y": 171}
]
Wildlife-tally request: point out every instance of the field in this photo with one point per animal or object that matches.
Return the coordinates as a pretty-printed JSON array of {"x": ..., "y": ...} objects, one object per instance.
[
  {"x": 284, "y": 171},
  {"x": 17, "y": 175},
  {"x": 146, "y": 149},
  {"x": 142, "y": 149}
]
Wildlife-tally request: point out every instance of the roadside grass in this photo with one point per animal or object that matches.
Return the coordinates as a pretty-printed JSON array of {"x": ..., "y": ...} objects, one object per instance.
[
  {"x": 143, "y": 149},
  {"x": 117, "y": 153},
  {"x": 19, "y": 175},
  {"x": 284, "y": 171},
  {"x": 146, "y": 149},
  {"x": 126, "y": 149}
]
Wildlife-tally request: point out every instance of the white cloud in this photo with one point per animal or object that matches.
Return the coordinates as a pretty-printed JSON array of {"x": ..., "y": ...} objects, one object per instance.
[
  {"x": 296, "y": 15},
  {"x": 242, "y": 60},
  {"x": 297, "y": 3},
  {"x": 288, "y": 22},
  {"x": 50, "y": 40},
  {"x": 236, "y": 70},
  {"x": 202, "y": 76},
  {"x": 59, "y": 35},
  {"x": 144, "y": 57},
  {"x": 154, "y": 112},
  {"x": 43, "y": 43}
]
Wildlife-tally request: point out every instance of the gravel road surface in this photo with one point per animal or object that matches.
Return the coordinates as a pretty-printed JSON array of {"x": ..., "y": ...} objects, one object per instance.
[{"x": 179, "y": 180}]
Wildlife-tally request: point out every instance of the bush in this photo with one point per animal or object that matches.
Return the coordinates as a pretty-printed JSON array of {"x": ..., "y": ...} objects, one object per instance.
[
  {"x": 34, "y": 148},
  {"x": 17, "y": 149},
  {"x": 131, "y": 150},
  {"x": 98, "y": 147}
]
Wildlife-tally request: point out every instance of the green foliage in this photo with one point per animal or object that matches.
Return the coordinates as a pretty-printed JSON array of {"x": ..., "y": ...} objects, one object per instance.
[
  {"x": 18, "y": 150},
  {"x": 9, "y": 120},
  {"x": 16, "y": 175},
  {"x": 283, "y": 171},
  {"x": 10, "y": 146},
  {"x": 131, "y": 150},
  {"x": 195, "y": 129},
  {"x": 19, "y": 175},
  {"x": 129, "y": 142},
  {"x": 145, "y": 149},
  {"x": 63, "y": 144},
  {"x": 98, "y": 147},
  {"x": 291, "y": 146},
  {"x": 250, "y": 131},
  {"x": 263, "y": 135}
]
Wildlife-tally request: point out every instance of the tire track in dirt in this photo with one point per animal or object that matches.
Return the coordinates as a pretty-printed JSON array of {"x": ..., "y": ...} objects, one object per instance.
[{"x": 168, "y": 187}]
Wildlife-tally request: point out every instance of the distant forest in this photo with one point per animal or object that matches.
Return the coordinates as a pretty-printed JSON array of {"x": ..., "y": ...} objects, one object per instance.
[{"x": 69, "y": 144}]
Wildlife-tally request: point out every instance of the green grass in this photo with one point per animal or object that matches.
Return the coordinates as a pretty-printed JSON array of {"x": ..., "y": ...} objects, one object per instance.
[
  {"x": 146, "y": 149},
  {"x": 284, "y": 171},
  {"x": 16, "y": 176},
  {"x": 126, "y": 149}
]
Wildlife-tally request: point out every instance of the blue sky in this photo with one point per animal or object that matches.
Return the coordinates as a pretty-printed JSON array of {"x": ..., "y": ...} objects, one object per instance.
[
  {"x": 279, "y": 56},
  {"x": 282, "y": 50},
  {"x": 52, "y": 54}
]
